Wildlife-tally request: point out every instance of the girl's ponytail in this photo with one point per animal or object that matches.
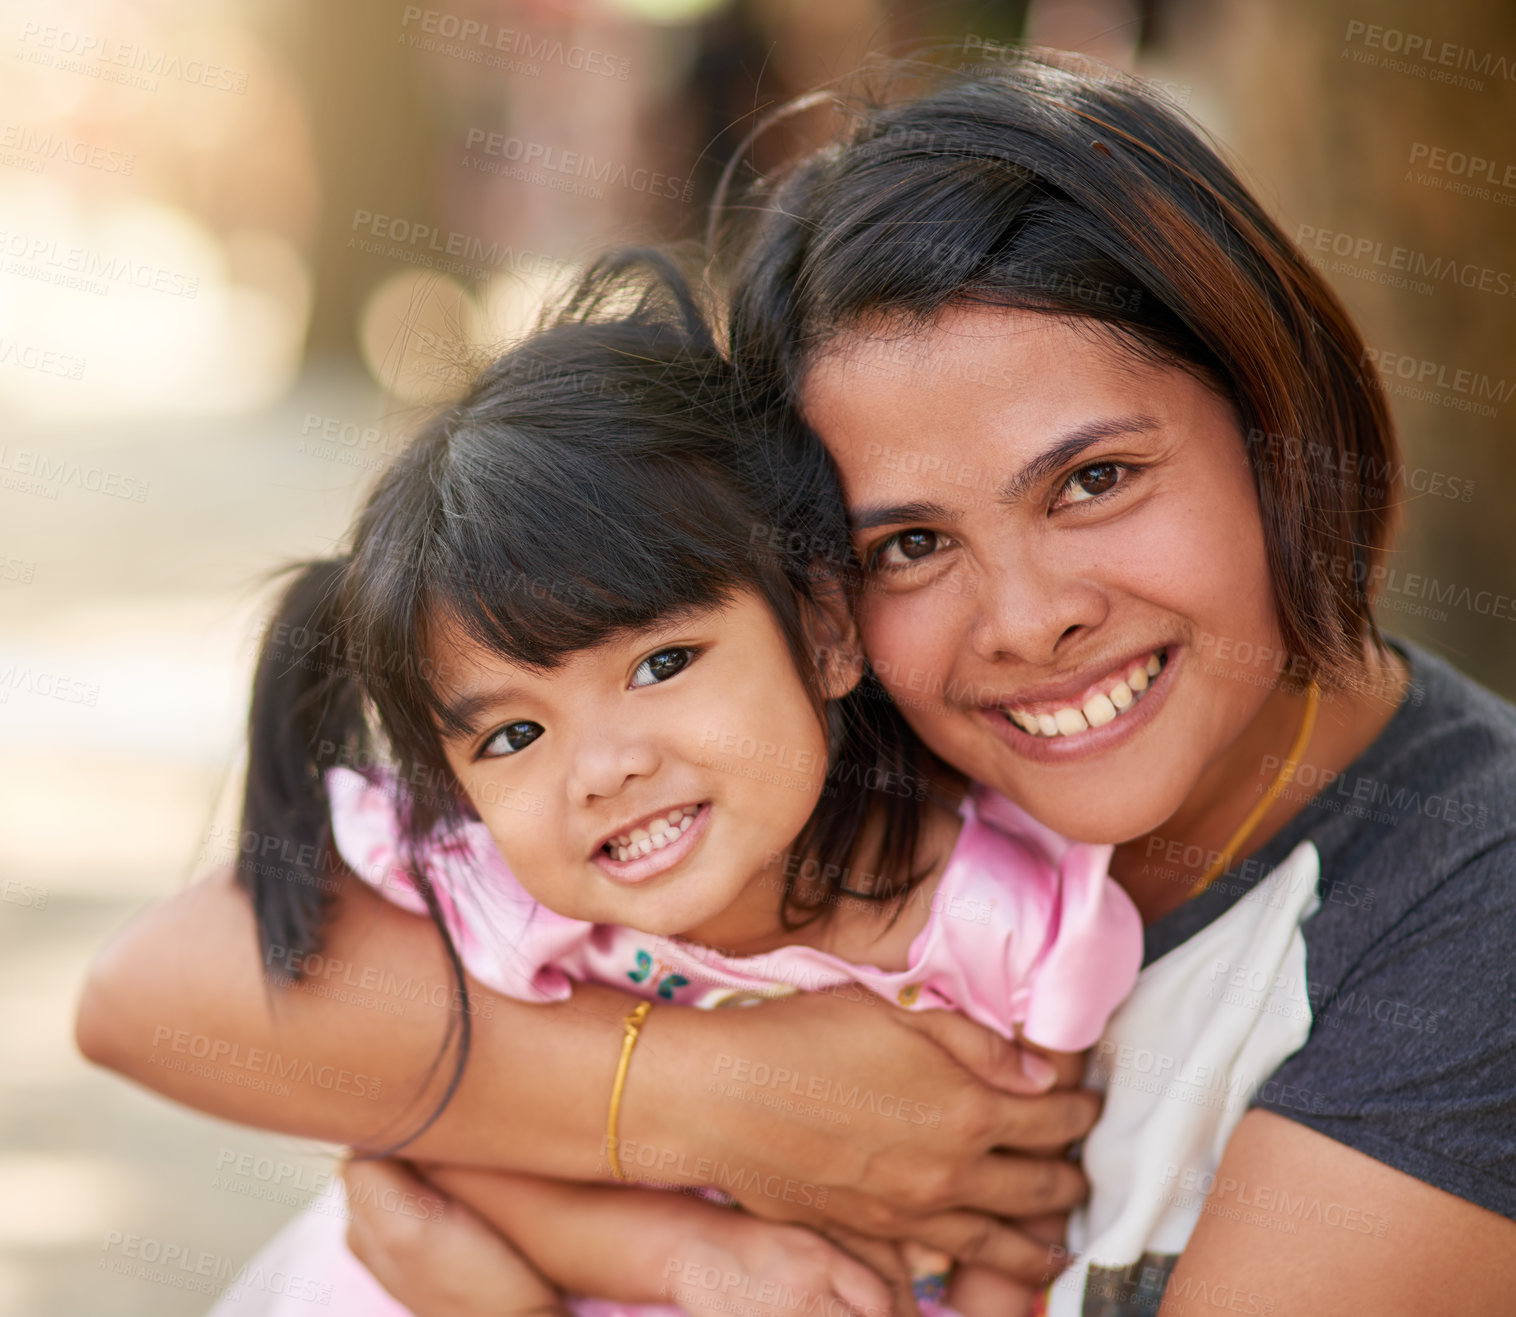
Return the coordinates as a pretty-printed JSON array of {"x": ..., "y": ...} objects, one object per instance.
[{"x": 306, "y": 716}]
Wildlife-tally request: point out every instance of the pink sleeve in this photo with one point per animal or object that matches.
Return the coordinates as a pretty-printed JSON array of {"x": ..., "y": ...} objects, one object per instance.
[
  {"x": 1036, "y": 933},
  {"x": 505, "y": 938}
]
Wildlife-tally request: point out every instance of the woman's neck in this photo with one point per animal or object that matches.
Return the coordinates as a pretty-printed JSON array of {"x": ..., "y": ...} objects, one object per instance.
[{"x": 1161, "y": 868}]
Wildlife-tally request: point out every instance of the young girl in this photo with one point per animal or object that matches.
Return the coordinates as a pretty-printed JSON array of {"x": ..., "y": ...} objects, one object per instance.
[{"x": 586, "y": 691}]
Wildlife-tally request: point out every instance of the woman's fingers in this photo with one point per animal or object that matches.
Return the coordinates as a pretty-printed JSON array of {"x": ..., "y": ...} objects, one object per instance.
[
  {"x": 985, "y": 1054},
  {"x": 973, "y": 1238},
  {"x": 1004, "y": 1184},
  {"x": 1048, "y": 1121}
]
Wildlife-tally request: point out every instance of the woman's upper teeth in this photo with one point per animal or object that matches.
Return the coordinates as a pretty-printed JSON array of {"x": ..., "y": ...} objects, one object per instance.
[
  {"x": 659, "y": 831},
  {"x": 1099, "y": 708}
]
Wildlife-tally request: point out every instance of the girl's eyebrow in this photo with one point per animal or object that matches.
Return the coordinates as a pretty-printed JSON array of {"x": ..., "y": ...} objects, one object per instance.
[{"x": 464, "y": 711}]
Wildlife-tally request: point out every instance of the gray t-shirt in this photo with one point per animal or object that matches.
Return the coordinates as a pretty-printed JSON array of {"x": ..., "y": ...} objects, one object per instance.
[{"x": 1411, "y": 958}]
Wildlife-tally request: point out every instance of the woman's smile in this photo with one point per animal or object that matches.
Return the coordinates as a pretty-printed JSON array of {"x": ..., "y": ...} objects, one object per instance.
[{"x": 1107, "y": 713}]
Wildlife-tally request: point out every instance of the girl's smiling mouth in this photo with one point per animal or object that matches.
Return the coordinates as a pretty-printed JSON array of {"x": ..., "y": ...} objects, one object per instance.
[
  {"x": 1090, "y": 720},
  {"x": 654, "y": 844}
]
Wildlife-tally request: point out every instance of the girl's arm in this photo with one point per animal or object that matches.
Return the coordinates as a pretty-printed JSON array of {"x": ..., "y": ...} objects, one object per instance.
[
  {"x": 638, "y": 1245},
  {"x": 178, "y": 1003}
]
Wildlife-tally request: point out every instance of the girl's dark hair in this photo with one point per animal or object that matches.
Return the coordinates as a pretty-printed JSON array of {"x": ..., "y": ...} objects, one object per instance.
[
  {"x": 602, "y": 476},
  {"x": 1051, "y": 184}
]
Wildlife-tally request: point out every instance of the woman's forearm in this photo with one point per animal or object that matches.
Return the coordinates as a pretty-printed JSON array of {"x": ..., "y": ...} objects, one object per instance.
[
  {"x": 180, "y": 1003},
  {"x": 908, "y": 1128}
]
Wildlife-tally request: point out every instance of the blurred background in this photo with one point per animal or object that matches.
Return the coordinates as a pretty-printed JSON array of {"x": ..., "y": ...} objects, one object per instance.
[{"x": 245, "y": 245}]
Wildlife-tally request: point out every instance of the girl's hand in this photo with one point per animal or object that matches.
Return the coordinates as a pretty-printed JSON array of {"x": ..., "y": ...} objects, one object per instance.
[
  {"x": 749, "y": 1268},
  {"x": 447, "y": 1263},
  {"x": 827, "y": 1108}
]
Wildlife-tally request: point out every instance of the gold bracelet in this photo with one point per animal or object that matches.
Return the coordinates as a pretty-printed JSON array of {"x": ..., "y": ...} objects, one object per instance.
[{"x": 633, "y": 1025}]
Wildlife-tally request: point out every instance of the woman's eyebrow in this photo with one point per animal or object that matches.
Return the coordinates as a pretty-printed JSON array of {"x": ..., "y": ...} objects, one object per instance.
[
  {"x": 1067, "y": 447},
  {"x": 889, "y": 514}
]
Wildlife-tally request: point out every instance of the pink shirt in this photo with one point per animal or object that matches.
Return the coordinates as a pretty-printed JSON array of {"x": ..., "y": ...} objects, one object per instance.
[{"x": 1026, "y": 931}]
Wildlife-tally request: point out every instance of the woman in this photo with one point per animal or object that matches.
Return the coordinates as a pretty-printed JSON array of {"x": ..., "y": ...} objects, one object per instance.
[{"x": 1123, "y": 486}]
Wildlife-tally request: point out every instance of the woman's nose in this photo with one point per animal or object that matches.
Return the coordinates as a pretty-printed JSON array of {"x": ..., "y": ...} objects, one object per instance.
[{"x": 1029, "y": 610}]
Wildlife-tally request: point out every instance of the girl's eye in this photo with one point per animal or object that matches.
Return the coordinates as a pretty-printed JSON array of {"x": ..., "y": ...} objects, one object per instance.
[
  {"x": 1091, "y": 482},
  {"x": 510, "y": 739},
  {"x": 907, "y": 546},
  {"x": 661, "y": 666}
]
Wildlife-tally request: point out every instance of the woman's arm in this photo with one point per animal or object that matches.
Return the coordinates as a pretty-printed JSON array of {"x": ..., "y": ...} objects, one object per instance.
[
  {"x": 1299, "y": 1223},
  {"x": 178, "y": 1003}
]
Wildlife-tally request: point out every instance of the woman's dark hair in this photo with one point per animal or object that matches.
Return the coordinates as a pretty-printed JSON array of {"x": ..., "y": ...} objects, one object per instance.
[
  {"x": 603, "y": 475},
  {"x": 1050, "y": 184}
]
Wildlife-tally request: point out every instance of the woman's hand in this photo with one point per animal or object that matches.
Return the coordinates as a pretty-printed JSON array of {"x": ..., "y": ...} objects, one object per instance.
[{"x": 843, "y": 1110}]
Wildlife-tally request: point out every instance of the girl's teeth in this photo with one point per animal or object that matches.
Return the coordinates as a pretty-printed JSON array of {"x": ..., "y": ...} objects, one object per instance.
[
  {"x": 643, "y": 841},
  {"x": 1098, "y": 710}
]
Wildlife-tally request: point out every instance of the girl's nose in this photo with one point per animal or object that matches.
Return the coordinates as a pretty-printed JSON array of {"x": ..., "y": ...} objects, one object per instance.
[{"x": 608, "y": 762}]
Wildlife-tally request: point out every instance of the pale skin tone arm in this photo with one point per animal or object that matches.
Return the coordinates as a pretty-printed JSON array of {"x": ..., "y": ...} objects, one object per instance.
[{"x": 185, "y": 978}]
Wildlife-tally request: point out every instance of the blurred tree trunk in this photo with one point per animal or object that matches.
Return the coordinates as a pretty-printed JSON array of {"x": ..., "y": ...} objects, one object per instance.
[{"x": 373, "y": 135}]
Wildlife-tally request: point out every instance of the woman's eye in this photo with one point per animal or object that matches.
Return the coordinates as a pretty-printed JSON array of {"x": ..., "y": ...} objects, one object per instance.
[
  {"x": 661, "y": 666},
  {"x": 1091, "y": 482},
  {"x": 907, "y": 546},
  {"x": 510, "y": 739}
]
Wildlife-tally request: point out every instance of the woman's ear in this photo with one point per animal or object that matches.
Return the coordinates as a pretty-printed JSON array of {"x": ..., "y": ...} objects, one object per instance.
[{"x": 833, "y": 637}]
